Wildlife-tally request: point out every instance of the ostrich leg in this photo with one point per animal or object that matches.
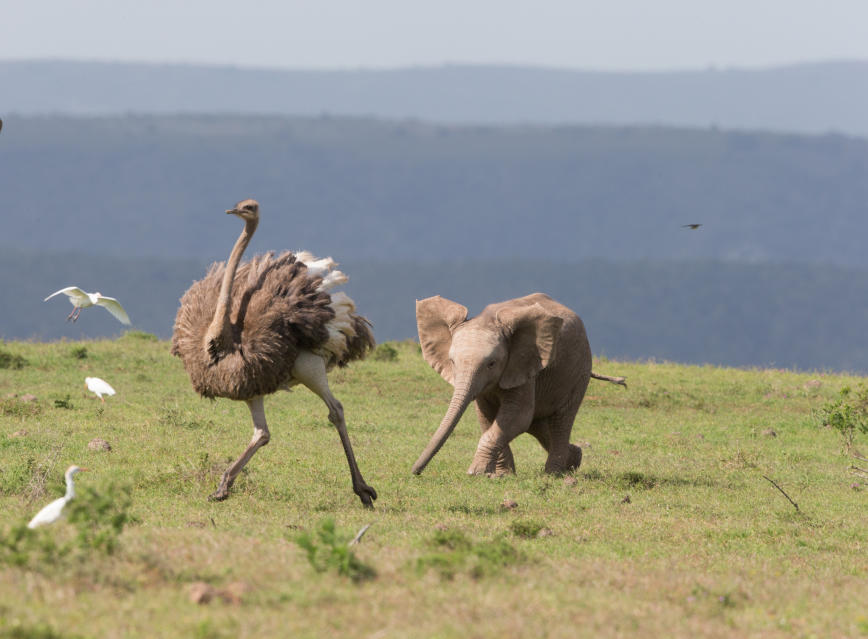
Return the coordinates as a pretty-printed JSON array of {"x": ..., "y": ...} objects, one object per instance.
[
  {"x": 310, "y": 370},
  {"x": 261, "y": 436}
]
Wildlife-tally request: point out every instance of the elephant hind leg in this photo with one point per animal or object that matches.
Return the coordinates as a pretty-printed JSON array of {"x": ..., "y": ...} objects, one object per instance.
[
  {"x": 553, "y": 434},
  {"x": 574, "y": 460},
  {"x": 541, "y": 430}
]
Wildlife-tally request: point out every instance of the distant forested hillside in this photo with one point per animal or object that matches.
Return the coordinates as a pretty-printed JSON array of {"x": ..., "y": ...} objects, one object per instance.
[
  {"x": 808, "y": 98},
  {"x": 367, "y": 190},
  {"x": 783, "y": 315}
]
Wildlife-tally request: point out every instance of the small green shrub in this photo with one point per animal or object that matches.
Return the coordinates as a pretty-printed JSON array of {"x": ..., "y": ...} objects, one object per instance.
[
  {"x": 329, "y": 551},
  {"x": 385, "y": 352},
  {"x": 455, "y": 553},
  {"x": 15, "y": 477},
  {"x": 8, "y": 360},
  {"x": 97, "y": 517},
  {"x": 13, "y": 407},
  {"x": 635, "y": 479},
  {"x": 18, "y": 631},
  {"x": 848, "y": 414},
  {"x": 176, "y": 418},
  {"x": 141, "y": 336},
  {"x": 79, "y": 352},
  {"x": 526, "y": 529},
  {"x": 100, "y": 517}
]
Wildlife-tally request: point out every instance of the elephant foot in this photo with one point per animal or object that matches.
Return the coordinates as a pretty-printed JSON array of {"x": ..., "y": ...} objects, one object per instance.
[
  {"x": 575, "y": 458},
  {"x": 558, "y": 465},
  {"x": 366, "y": 493},
  {"x": 482, "y": 468}
]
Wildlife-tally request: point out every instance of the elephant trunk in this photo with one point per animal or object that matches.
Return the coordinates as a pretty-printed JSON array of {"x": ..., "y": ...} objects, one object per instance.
[{"x": 461, "y": 398}]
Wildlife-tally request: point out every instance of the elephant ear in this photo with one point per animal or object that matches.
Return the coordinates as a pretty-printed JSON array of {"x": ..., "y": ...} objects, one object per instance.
[
  {"x": 531, "y": 333},
  {"x": 436, "y": 319}
]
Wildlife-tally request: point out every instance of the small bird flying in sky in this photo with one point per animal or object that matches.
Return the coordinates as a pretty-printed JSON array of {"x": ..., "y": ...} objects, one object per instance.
[
  {"x": 80, "y": 299},
  {"x": 692, "y": 227},
  {"x": 54, "y": 510},
  {"x": 99, "y": 387}
]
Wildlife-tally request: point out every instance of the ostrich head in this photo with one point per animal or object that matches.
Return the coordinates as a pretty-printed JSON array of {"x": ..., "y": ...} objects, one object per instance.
[{"x": 247, "y": 210}]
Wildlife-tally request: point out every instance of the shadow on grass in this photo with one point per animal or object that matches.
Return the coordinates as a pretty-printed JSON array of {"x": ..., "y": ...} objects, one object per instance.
[
  {"x": 473, "y": 510},
  {"x": 638, "y": 480}
]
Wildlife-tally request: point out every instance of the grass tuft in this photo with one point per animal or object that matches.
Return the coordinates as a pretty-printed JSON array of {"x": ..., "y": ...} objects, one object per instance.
[
  {"x": 385, "y": 352},
  {"x": 456, "y": 553},
  {"x": 11, "y": 361},
  {"x": 328, "y": 551}
]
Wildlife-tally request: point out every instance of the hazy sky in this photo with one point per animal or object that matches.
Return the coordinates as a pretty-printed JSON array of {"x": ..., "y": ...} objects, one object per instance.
[{"x": 607, "y": 34}]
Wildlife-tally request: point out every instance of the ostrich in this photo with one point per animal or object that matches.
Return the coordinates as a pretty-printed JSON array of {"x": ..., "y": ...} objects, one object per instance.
[{"x": 247, "y": 330}]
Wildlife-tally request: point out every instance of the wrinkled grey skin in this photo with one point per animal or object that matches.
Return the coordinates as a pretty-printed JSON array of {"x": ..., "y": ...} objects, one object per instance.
[{"x": 525, "y": 362}]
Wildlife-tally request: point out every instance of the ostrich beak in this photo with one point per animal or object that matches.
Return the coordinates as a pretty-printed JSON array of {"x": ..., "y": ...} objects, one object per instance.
[{"x": 232, "y": 211}]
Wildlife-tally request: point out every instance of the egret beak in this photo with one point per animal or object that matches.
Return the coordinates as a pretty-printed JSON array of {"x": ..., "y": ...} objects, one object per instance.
[{"x": 85, "y": 470}]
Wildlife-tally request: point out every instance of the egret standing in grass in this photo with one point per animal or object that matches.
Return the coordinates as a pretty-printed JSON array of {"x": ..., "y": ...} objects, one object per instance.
[
  {"x": 80, "y": 299},
  {"x": 99, "y": 387},
  {"x": 53, "y": 511}
]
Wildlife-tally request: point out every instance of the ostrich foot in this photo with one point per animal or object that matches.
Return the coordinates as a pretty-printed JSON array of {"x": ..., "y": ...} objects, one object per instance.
[
  {"x": 222, "y": 491},
  {"x": 366, "y": 493}
]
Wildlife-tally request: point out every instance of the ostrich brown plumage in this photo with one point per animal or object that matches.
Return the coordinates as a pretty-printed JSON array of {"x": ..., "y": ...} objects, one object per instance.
[{"x": 248, "y": 330}]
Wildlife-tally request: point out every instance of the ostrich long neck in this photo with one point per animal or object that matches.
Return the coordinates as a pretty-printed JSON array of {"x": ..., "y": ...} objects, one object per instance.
[{"x": 221, "y": 325}]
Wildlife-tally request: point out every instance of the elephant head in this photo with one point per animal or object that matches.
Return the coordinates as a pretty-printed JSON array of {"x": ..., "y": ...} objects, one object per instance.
[{"x": 504, "y": 347}]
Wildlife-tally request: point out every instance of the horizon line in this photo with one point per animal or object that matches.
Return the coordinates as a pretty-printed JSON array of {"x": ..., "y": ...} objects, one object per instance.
[{"x": 438, "y": 66}]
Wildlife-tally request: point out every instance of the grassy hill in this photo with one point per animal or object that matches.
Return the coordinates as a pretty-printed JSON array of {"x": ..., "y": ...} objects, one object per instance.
[
  {"x": 811, "y": 98},
  {"x": 668, "y": 528},
  {"x": 389, "y": 191},
  {"x": 810, "y": 317}
]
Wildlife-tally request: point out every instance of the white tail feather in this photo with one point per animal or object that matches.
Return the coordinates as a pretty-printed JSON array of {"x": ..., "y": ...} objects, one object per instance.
[
  {"x": 342, "y": 327},
  {"x": 332, "y": 280}
]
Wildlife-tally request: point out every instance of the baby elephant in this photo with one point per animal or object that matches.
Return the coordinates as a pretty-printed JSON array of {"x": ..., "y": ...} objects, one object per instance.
[{"x": 527, "y": 364}]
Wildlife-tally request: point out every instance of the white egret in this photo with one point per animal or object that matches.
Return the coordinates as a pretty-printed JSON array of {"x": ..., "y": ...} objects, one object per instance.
[
  {"x": 80, "y": 299},
  {"x": 99, "y": 387},
  {"x": 53, "y": 511}
]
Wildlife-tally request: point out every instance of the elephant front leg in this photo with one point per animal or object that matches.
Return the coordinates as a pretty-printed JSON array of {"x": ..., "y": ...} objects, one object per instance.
[
  {"x": 486, "y": 412},
  {"x": 493, "y": 456}
]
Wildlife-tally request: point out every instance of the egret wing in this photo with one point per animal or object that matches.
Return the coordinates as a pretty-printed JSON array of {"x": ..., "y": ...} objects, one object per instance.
[
  {"x": 114, "y": 307},
  {"x": 48, "y": 514},
  {"x": 74, "y": 293},
  {"x": 97, "y": 385}
]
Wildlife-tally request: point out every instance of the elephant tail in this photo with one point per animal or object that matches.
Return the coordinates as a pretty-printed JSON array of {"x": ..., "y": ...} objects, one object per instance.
[{"x": 622, "y": 381}]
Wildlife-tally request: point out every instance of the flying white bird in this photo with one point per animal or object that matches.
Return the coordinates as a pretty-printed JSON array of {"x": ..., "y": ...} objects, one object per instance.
[
  {"x": 52, "y": 511},
  {"x": 79, "y": 299},
  {"x": 99, "y": 387}
]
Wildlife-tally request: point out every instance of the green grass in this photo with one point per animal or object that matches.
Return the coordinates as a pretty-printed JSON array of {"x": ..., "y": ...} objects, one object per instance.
[{"x": 704, "y": 546}]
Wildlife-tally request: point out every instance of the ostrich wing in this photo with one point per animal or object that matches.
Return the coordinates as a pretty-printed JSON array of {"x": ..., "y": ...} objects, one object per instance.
[
  {"x": 114, "y": 307},
  {"x": 76, "y": 295},
  {"x": 48, "y": 514}
]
